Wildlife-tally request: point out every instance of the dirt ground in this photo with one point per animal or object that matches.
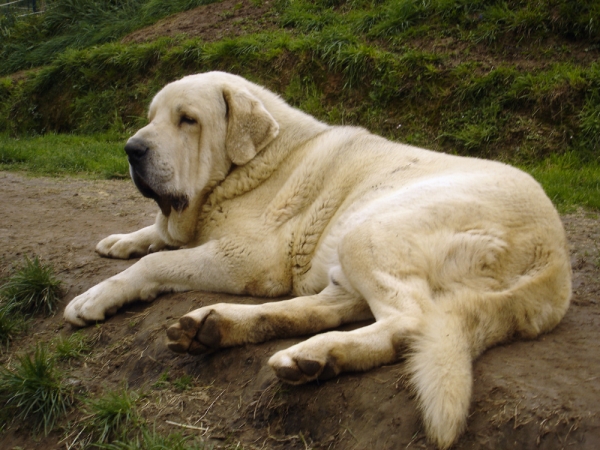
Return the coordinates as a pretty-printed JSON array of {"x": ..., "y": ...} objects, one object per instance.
[{"x": 536, "y": 394}]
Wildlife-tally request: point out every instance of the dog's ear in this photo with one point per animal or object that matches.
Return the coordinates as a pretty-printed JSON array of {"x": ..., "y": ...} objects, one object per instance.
[{"x": 250, "y": 126}]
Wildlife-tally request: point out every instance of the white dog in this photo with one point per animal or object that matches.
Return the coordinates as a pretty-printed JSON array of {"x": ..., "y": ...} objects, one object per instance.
[{"x": 449, "y": 255}]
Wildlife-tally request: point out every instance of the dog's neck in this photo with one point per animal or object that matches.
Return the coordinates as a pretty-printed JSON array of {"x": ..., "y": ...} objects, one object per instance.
[{"x": 296, "y": 129}]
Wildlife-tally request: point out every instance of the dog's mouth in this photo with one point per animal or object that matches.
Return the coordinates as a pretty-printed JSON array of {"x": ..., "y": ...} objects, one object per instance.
[{"x": 166, "y": 202}]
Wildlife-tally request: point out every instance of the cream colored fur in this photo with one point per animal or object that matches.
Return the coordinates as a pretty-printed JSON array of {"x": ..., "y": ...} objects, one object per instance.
[{"x": 449, "y": 255}]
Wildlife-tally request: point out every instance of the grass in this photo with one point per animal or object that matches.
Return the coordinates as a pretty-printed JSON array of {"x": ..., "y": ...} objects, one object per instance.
[
  {"x": 32, "y": 289},
  {"x": 447, "y": 75},
  {"x": 75, "y": 24},
  {"x": 65, "y": 154},
  {"x": 181, "y": 384},
  {"x": 75, "y": 346},
  {"x": 152, "y": 440},
  {"x": 569, "y": 182},
  {"x": 34, "y": 392},
  {"x": 112, "y": 416},
  {"x": 11, "y": 325}
]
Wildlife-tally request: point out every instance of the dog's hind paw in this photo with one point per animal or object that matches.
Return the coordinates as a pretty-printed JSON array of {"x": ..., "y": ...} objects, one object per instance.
[{"x": 299, "y": 370}]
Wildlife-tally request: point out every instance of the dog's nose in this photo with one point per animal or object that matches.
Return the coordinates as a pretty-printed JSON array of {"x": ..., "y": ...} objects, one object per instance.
[{"x": 135, "y": 149}]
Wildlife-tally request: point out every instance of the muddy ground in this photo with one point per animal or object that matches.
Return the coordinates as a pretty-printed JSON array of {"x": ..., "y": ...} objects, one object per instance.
[{"x": 536, "y": 394}]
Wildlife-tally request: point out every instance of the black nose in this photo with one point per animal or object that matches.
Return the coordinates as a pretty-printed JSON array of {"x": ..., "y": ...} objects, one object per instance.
[{"x": 135, "y": 149}]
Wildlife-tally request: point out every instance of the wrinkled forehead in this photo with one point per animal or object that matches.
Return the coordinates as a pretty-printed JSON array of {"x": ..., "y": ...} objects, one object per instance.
[{"x": 196, "y": 90}]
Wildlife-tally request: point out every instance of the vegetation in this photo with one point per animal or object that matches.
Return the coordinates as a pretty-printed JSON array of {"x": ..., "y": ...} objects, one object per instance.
[
  {"x": 76, "y": 24},
  {"x": 112, "y": 416},
  {"x": 491, "y": 78},
  {"x": 31, "y": 290},
  {"x": 34, "y": 392},
  {"x": 11, "y": 325},
  {"x": 100, "y": 155},
  {"x": 74, "y": 346},
  {"x": 152, "y": 440}
]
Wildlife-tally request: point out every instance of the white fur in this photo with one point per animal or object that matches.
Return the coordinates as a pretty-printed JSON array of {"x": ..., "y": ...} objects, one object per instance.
[{"x": 450, "y": 255}]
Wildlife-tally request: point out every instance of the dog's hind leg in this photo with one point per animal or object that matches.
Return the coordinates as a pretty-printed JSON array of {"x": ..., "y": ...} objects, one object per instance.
[
  {"x": 394, "y": 278},
  {"x": 227, "y": 325}
]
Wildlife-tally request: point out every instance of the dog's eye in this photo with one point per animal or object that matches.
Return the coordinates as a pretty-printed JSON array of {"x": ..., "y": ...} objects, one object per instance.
[{"x": 187, "y": 120}]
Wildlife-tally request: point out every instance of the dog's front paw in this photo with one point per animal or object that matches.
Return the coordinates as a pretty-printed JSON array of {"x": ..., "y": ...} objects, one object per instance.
[
  {"x": 121, "y": 246},
  {"x": 89, "y": 307},
  {"x": 297, "y": 367}
]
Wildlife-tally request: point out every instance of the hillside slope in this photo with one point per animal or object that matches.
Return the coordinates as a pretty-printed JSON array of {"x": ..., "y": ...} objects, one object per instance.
[{"x": 514, "y": 80}]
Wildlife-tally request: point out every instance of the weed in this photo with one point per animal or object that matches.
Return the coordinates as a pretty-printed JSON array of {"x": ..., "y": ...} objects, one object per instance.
[
  {"x": 183, "y": 383},
  {"x": 32, "y": 289},
  {"x": 152, "y": 440},
  {"x": 112, "y": 416},
  {"x": 11, "y": 325},
  {"x": 163, "y": 381},
  {"x": 33, "y": 392},
  {"x": 75, "y": 346}
]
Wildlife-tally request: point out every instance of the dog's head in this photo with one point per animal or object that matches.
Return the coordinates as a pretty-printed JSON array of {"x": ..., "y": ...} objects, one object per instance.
[{"x": 199, "y": 126}]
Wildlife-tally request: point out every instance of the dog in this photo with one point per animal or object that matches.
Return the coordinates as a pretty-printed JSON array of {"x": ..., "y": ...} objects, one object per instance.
[{"x": 450, "y": 255}]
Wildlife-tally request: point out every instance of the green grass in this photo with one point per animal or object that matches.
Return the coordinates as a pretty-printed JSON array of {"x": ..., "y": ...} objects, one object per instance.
[
  {"x": 112, "y": 416},
  {"x": 33, "y": 392},
  {"x": 152, "y": 440},
  {"x": 182, "y": 383},
  {"x": 569, "y": 182},
  {"x": 101, "y": 156},
  {"x": 74, "y": 24},
  {"x": 11, "y": 325},
  {"x": 32, "y": 289},
  {"x": 75, "y": 346},
  {"x": 512, "y": 80}
]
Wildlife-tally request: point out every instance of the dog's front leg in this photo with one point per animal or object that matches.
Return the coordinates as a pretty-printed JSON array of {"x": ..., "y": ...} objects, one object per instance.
[{"x": 218, "y": 266}]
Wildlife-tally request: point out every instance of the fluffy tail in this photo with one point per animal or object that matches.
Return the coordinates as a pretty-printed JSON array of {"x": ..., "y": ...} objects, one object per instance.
[{"x": 440, "y": 371}]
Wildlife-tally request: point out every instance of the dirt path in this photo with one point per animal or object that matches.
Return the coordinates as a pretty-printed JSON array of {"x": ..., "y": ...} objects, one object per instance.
[{"x": 538, "y": 394}]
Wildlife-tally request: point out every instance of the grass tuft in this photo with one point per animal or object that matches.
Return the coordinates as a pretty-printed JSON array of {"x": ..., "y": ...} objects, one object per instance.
[
  {"x": 75, "y": 346},
  {"x": 31, "y": 290},
  {"x": 33, "y": 392},
  {"x": 11, "y": 325},
  {"x": 112, "y": 416}
]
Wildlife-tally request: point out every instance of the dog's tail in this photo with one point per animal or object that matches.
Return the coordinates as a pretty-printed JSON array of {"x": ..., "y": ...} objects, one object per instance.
[
  {"x": 459, "y": 329},
  {"x": 439, "y": 367}
]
